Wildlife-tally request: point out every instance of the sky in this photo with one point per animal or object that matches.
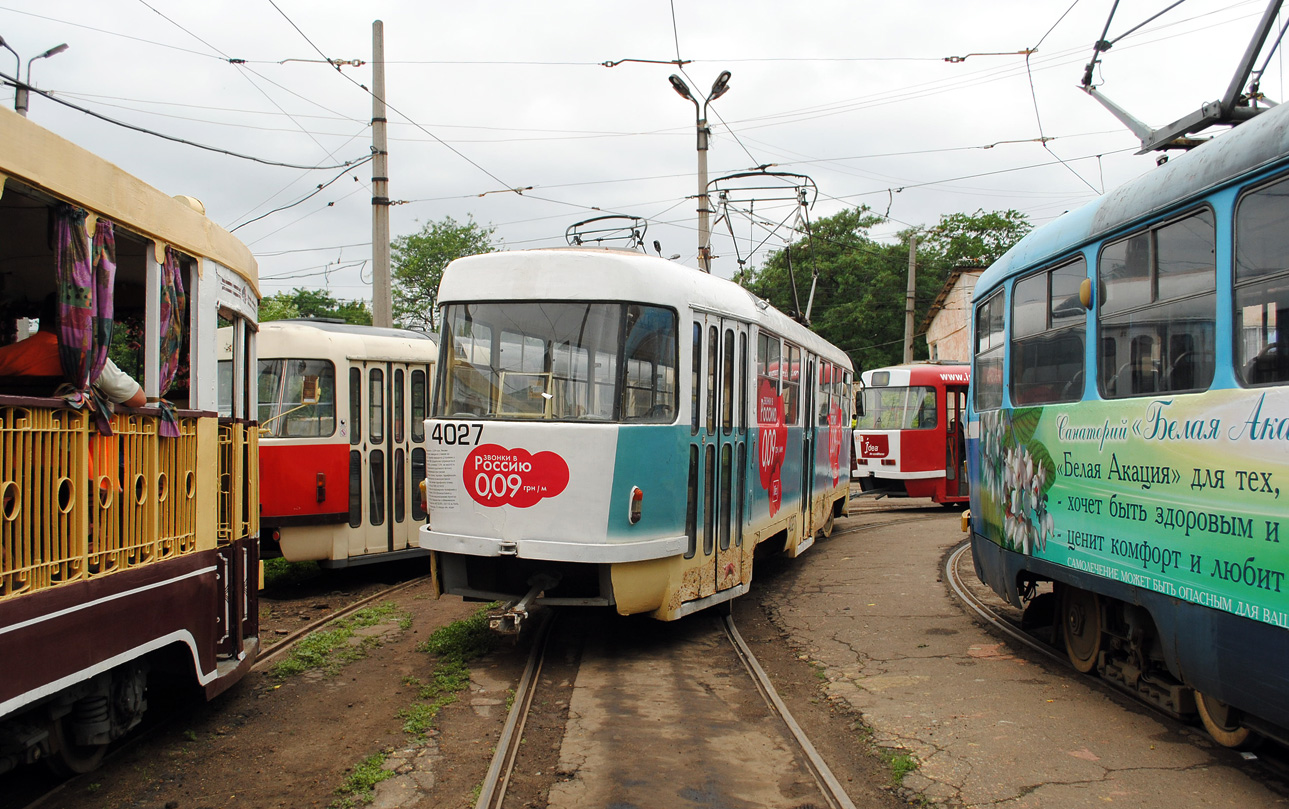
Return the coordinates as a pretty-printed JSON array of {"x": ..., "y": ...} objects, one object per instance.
[{"x": 532, "y": 117}]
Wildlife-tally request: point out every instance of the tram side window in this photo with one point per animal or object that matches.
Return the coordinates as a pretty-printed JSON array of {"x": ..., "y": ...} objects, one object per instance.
[
  {"x": 650, "y": 351},
  {"x": 418, "y": 407},
  {"x": 376, "y": 405},
  {"x": 1262, "y": 285},
  {"x": 767, "y": 374},
  {"x": 355, "y": 405},
  {"x": 1157, "y": 312},
  {"x": 826, "y": 390},
  {"x": 696, "y": 379},
  {"x": 791, "y": 368},
  {"x": 1049, "y": 326},
  {"x": 987, "y": 375}
]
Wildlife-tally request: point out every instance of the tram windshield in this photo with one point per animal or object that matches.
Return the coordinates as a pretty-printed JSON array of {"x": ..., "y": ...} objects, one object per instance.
[
  {"x": 899, "y": 408},
  {"x": 297, "y": 398},
  {"x": 558, "y": 361}
]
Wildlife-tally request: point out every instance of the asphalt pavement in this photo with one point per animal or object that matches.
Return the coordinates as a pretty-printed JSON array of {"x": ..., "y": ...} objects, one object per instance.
[{"x": 988, "y": 725}]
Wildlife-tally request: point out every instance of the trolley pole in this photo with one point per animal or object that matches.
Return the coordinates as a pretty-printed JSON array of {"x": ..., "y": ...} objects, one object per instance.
[
  {"x": 382, "y": 302},
  {"x": 908, "y": 300}
]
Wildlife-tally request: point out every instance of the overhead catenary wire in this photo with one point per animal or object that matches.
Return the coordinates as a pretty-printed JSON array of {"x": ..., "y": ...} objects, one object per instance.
[{"x": 13, "y": 82}]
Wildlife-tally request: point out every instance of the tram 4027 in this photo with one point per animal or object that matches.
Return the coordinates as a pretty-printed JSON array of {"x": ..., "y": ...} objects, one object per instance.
[
  {"x": 610, "y": 428},
  {"x": 910, "y": 431},
  {"x": 1127, "y": 428}
]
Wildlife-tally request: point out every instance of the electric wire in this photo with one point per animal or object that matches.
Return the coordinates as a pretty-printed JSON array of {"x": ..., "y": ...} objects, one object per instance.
[
  {"x": 313, "y": 193},
  {"x": 6, "y": 79}
]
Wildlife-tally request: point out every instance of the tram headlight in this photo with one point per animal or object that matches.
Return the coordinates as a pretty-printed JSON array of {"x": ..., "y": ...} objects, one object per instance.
[{"x": 636, "y": 506}]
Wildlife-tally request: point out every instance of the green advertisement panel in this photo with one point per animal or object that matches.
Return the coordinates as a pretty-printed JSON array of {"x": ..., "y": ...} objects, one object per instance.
[{"x": 1179, "y": 494}]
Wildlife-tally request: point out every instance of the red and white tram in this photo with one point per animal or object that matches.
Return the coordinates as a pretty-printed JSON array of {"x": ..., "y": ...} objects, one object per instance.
[
  {"x": 342, "y": 413},
  {"x": 909, "y": 439}
]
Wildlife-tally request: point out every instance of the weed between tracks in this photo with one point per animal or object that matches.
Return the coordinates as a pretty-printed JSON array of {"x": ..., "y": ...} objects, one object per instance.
[
  {"x": 360, "y": 787},
  {"x": 454, "y": 647},
  {"x": 328, "y": 649}
]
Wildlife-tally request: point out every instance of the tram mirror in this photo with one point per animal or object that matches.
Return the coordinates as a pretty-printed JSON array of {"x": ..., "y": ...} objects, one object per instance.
[
  {"x": 1085, "y": 293},
  {"x": 309, "y": 390}
]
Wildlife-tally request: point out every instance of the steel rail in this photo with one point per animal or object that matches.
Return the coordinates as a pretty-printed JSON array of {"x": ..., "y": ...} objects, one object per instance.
[
  {"x": 989, "y": 616},
  {"x": 140, "y": 735},
  {"x": 493, "y": 790},
  {"x": 828, "y": 784},
  {"x": 267, "y": 656}
]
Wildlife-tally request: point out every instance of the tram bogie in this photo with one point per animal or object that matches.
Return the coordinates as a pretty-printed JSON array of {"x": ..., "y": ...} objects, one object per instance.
[
  {"x": 1125, "y": 435},
  {"x": 128, "y": 534},
  {"x": 626, "y": 431}
]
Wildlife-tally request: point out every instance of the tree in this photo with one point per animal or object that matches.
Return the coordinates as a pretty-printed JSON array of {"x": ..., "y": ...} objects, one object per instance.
[
  {"x": 976, "y": 240},
  {"x": 418, "y": 262},
  {"x": 862, "y": 284},
  {"x": 313, "y": 303}
]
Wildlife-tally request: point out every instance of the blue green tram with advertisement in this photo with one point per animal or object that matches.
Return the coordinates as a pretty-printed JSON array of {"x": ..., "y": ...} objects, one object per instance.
[
  {"x": 1127, "y": 431},
  {"x": 582, "y": 452}
]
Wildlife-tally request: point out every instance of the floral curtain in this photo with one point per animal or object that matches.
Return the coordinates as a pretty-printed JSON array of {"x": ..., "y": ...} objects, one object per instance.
[
  {"x": 174, "y": 304},
  {"x": 86, "y": 273}
]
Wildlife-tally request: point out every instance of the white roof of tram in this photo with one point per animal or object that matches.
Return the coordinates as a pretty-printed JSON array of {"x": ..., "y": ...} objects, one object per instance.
[{"x": 606, "y": 274}]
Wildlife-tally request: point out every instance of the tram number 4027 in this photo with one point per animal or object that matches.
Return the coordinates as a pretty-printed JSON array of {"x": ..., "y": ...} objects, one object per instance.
[{"x": 456, "y": 434}]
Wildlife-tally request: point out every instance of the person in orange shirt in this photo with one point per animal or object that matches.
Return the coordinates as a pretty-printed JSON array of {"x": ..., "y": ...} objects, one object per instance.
[{"x": 38, "y": 356}]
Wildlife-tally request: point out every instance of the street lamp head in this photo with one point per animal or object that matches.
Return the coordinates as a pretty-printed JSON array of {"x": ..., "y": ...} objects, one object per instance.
[
  {"x": 57, "y": 49},
  {"x": 720, "y": 86},
  {"x": 678, "y": 84}
]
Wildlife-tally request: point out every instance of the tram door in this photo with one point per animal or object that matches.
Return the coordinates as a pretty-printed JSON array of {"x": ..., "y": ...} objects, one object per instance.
[
  {"x": 387, "y": 447},
  {"x": 955, "y": 441},
  {"x": 720, "y": 443},
  {"x": 808, "y": 428}
]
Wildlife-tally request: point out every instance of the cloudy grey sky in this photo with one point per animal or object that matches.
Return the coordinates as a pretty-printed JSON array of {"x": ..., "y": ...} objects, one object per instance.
[{"x": 915, "y": 109}]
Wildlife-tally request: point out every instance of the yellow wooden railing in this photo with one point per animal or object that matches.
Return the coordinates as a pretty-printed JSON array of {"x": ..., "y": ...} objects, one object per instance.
[
  {"x": 76, "y": 505},
  {"x": 239, "y": 481}
]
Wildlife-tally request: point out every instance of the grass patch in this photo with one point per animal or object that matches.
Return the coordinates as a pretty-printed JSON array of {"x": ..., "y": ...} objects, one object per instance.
[
  {"x": 901, "y": 764},
  {"x": 330, "y": 648},
  {"x": 278, "y": 572},
  {"x": 359, "y": 788},
  {"x": 454, "y": 647}
]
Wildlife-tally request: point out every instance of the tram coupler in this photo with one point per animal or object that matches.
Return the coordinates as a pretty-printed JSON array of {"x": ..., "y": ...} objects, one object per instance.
[{"x": 510, "y": 620}]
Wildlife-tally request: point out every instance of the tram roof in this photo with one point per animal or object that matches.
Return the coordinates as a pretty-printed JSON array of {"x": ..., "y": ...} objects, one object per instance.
[
  {"x": 302, "y": 338},
  {"x": 921, "y": 373},
  {"x": 37, "y": 157},
  {"x": 603, "y": 274},
  {"x": 1250, "y": 147}
]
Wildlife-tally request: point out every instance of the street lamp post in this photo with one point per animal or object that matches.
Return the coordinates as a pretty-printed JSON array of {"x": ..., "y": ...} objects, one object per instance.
[
  {"x": 719, "y": 88},
  {"x": 21, "y": 96}
]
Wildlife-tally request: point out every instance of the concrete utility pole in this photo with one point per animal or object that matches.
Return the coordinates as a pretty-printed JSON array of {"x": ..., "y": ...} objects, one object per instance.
[
  {"x": 908, "y": 300},
  {"x": 382, "y": 300}
]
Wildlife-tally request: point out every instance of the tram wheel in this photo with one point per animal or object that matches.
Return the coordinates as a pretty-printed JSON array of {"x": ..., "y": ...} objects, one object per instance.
[
  {"x": 826, "y": 530},
  {"x": 1081, "y": 627},
  {"x": 72, "y": 759},
  {"x": 1223, "y": 723}
]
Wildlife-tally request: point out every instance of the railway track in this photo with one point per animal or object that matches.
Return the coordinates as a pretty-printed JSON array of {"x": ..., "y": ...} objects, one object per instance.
[
  {"x": 1272, "y": 757},
  {"x": 632, "y": 722},
  {"x": 34, "y": 790}
]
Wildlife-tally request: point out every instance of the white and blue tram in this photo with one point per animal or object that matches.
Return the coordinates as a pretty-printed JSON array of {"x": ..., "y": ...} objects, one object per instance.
[
  {"x": 1128, "y": 421},
  {"x": 582, "y": 451}
]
